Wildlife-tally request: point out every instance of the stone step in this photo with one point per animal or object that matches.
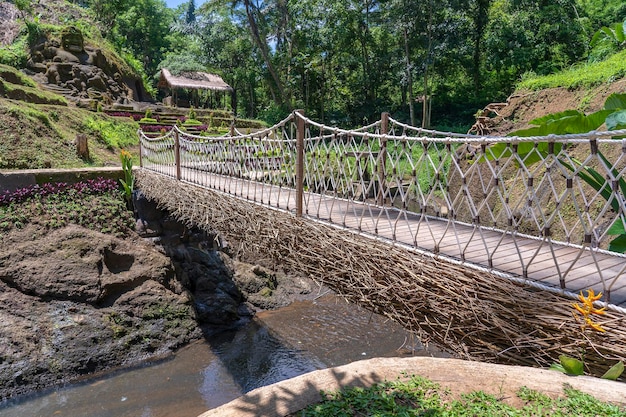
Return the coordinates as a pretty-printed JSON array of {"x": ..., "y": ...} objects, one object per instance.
[{"x": 57, "y": 89}]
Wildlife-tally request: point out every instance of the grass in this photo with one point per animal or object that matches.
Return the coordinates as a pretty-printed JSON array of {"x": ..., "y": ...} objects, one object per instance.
[
  {"x": 112, "y": 133},
  {"x": 42, "y": 136},
  {"x": 419, "y": 396},
  {"x": 584, "y": 75}
]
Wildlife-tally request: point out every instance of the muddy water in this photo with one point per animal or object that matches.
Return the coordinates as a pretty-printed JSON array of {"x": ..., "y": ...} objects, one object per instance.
[{"x": 276, "y": 345}]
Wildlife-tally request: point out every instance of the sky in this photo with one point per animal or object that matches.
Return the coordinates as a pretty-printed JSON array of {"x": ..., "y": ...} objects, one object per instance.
[{"x": 175, "y": 3}]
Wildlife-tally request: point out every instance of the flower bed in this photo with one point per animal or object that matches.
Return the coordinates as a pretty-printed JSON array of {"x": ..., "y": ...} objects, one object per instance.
[{"x": 97, "y": 186}]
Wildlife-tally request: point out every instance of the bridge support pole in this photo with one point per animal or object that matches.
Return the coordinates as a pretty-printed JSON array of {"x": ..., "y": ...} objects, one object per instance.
[
  {"x": 177, "y": 154},
  {"x": 140, "y": 152},
  {"x": 300, "y": 126},
  {"x": 382, "y": 158}
]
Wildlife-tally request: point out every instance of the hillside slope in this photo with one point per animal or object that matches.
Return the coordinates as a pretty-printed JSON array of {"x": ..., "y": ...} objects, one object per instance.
[
  {"x": 524, "y": 106},
  {"x": 39, "y": 128},
  {"x": 583, "y": 87}
]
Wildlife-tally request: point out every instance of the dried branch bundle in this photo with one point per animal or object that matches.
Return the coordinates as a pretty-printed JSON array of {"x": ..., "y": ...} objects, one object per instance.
[{"x": 473, "y": 315}]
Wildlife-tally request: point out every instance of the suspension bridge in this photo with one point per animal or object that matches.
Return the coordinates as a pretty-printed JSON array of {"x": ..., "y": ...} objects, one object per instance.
[{"x": 541, "y": 211}]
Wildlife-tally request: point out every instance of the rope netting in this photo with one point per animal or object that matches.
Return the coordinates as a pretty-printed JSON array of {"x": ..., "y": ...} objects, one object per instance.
[{"x": 540, "y": 209}]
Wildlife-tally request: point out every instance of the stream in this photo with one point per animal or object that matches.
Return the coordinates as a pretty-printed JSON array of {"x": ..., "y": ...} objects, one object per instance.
[{"x": 275, "y": 345}]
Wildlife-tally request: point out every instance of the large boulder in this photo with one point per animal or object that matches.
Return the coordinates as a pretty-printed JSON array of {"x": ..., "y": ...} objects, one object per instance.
[
  {"x": 74, "y": 301},
  {"x": 78, "y": 264}
]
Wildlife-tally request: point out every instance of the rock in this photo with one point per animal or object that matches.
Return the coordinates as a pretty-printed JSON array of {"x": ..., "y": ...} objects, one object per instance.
[
  {"x": 146, "y": 210},
  {"x": 148, "y": 229},
  {"x": 267, "y": 289},
  {"x": 92, "y": 75},
  {"x": 97, "y": 83},
  {"x": 72, "y": 39},
  {"x": 209, "y": 277},
  {"x": 81, "y": 265},
  {"x": 74, "y": 301}
]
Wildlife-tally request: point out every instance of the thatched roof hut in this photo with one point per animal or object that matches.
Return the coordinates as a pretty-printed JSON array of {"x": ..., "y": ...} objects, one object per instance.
[
  {"x": 196, "y": 82},
  {"x": 193, "y": 80}
]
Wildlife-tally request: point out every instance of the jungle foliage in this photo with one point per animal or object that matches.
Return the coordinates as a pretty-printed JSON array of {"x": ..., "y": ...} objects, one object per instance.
[{"x": 428, "y": 62}]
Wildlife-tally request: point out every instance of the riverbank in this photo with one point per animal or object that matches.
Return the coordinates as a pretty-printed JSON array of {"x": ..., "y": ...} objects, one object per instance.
[
  {"x": 275, "y": 345},
  {"x": 85, "y": 287}
]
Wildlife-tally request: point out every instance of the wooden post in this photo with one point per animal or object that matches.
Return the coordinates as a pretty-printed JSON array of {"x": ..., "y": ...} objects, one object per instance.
[
  {"x": 140, "y": 152},
  {"x": 300, "y": 126},
  {"x": 177, "y": 154},
  {"x": 232, "y": 128},
  {"x": 82, "y": 147},
  {"x": 382, "y": 161}
]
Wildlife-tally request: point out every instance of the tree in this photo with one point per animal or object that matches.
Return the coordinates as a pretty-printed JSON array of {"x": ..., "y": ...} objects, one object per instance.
[
  {"x": 539, "y": 36},
  {"x": 480, "y": 14},
  {"x": 108, "y": 11},
  {"x": 144, "y": 30},
  {"x": 190, "y": 16}
]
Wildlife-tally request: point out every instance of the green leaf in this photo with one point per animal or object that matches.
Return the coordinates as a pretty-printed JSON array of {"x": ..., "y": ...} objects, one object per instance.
[
  {"x": 599, "y": 183},
  {"x": 599, "y": 36},
  {"x": 533, "y": 131},
  {"x": 571, "y": 365},
  {"x": 595, "y": 120},
  {"x": 615, "y": 371},
  {"x": 619, "y": 32},
  {"x": 571, "y": 121},
  {"x": 617, "y": 228},
  {"x": 615, "y": 102},
  {"x": 497, "y": 151},
  {"x": 616, "y": 120},
  {"x": 557, "y": 367},
  {"x": 555, "y": 116},
  {"x": 618, "y": 244}
]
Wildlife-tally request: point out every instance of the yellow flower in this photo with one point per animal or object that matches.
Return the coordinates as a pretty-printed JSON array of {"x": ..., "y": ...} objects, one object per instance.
[
  {"x": 595, "y": 326},
  {"x": 591, "y": 296},
  {"x": 587, "y": 308}
]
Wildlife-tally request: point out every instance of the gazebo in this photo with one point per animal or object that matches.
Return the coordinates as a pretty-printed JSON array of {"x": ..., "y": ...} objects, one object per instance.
[{"x": 196, "y": 82}]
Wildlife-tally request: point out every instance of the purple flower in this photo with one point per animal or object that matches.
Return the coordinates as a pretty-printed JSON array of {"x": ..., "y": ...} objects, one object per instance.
[
  {"x": 156, "y": 128},
  {"x": 97, "y": 186}
]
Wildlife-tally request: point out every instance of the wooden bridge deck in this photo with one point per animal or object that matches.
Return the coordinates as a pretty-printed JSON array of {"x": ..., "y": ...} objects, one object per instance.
[{"x": 541, "y": 261}]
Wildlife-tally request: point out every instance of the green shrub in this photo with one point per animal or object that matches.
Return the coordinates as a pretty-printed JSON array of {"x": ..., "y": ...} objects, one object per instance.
[
  {"x": 113, "y": 133},
  {"x": 192, "y": 122},
  {"x": 16, "y": 54}
]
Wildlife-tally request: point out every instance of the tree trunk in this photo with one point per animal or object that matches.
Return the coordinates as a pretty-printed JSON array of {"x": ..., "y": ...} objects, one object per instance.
[
  {"x": 409, "y": 74},
  {"x": 426, "y": 102},
  {"x": 279, "y": 97},
  {"x": 481, "y": 19}
]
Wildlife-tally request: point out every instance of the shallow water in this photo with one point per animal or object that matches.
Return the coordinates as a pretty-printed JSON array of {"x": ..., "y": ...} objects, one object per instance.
[{"x": 276, "y": 345}]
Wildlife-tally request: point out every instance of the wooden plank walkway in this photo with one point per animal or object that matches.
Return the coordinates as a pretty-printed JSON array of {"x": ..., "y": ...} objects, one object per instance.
[{"x": 537, "y": 260}]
